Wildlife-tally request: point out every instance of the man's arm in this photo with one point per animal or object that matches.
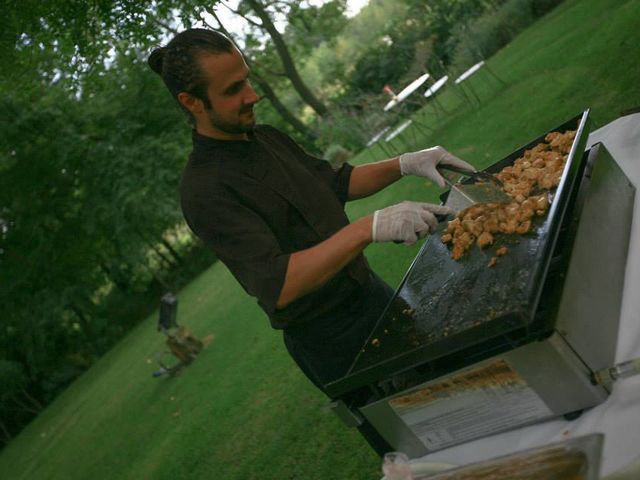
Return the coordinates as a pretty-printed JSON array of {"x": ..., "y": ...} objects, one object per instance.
[
  {"x": 311, "y": 268},
  {"x": 371, "y": 178}
]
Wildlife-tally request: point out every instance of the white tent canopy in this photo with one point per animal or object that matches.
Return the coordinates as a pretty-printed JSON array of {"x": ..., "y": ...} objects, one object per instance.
[
  {"x": 406, "y": 91},
  {"x": 436, "y": 86},
  {"x": 469, "y": 72}
]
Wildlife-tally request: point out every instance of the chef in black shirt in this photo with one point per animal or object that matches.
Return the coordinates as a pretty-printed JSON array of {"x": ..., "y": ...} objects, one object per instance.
[{"x": 275, "y": 214}]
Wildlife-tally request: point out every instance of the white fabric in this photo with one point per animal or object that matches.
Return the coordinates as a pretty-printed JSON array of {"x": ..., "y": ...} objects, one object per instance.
[
  {"x": 377, "y": 136},
  {"x": 398, "y": 130},
  {"x": 436, "y": 86},
  {"x": 392, "y": 103},
  {"x": 619, "y": 417},
  {"x": 406, "y": 91},
  {"x": 469, "y": 72}
]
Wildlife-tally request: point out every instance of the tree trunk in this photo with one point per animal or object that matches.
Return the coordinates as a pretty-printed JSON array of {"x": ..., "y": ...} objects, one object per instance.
[
  {"x": 163, "y": 259},
  {"x": 24, "y": 407},
  {"x": 172, "y": 251},
  {"x": 287, "y": 62},
  {"x": 281, "y": 109},
  {"x": 156, "y": 277},
  {"x": 117, "y": 278},
  {"x": 87, "y": 328},
  {"x": 32, "y": 399},
  {"x": 6, "y": 434},
  {"x": 167, "y": 261}
]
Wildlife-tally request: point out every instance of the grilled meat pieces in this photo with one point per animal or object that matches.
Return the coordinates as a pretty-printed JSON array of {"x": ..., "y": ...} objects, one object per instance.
[{"x": 528, "y": 182}]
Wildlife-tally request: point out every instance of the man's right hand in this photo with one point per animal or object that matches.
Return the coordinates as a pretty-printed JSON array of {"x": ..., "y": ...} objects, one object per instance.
[{"x": 406, "y": 222}]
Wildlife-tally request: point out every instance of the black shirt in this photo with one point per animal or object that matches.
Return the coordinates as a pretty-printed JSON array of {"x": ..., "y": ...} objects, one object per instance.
[{"x": 255, "y": 202}]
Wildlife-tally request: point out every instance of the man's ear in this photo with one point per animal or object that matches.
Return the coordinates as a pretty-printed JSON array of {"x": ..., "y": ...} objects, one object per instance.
[{"x": 191, "y": 103}]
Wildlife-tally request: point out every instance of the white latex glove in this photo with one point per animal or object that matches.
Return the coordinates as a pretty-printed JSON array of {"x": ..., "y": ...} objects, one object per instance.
[
  {"x": 423, "y": 163},
  {"x": 406, "y": 222}
]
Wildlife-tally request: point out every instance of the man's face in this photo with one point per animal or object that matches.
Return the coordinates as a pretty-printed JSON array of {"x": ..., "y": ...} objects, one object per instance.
[{"x": 230, "y": 93}]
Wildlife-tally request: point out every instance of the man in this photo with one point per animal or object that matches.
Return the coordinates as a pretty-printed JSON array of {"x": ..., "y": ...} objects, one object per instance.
[{"x": 275, "y": 215}]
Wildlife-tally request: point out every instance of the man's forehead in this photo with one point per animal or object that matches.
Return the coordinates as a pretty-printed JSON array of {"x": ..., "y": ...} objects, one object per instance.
[{"x": 223, "y": 69}]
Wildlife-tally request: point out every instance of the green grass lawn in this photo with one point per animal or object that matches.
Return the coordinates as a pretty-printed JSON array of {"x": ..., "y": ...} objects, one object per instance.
[{"x": 242, "y": 410}]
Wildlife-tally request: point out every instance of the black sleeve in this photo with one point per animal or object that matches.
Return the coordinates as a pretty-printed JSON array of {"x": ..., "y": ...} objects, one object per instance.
[
  {"x": 338, "y": 180},
  {"x": 244, "y": 243}
]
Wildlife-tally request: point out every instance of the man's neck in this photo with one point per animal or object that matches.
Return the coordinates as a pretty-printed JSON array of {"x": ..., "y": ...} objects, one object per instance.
[{"x": 210, "y": 131}]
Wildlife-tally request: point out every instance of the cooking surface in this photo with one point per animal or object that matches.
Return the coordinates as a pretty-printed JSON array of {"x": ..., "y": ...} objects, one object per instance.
[
  {"x": 443, "y": 306},
  {"x": 441, "y": 297}
]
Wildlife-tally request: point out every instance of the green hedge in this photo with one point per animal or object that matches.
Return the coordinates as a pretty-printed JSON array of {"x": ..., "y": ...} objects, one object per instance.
[{"x": 484, "y": 36}]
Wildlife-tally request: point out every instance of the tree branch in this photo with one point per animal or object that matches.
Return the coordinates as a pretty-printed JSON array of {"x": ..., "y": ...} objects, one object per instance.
[
  {"x": 270, "y": 71},
  {"x": 221, "y": 27},
  {"x": 6, "y": 435},
  {"x": 164, "y": 25},
  {"x": 237, "y": 12}
]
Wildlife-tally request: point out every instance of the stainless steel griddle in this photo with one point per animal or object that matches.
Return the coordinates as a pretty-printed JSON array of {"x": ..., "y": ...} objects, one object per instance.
[{"x": 463, "y": 350}]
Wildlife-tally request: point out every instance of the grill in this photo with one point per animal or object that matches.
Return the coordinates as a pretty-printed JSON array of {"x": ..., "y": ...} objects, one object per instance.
[{"x": 463, "y": 350}]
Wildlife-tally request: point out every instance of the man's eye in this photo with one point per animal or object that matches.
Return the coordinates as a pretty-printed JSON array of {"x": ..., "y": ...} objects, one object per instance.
[{"x": 235, "y": 88}]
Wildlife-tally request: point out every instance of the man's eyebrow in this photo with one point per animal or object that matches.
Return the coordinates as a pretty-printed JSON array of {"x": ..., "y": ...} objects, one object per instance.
[{"x": 236, "y": 84}]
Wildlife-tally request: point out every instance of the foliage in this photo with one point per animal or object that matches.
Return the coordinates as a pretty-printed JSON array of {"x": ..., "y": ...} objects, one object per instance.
[
  {"x": 88, "y": 205},
  {"x": 337, "y": 155},
  {"x": 74, "y": 36},
  {"x": 485, "y": 35},
  {"x": 310, "y": 26},
  {"x": 411, "y": 42}
]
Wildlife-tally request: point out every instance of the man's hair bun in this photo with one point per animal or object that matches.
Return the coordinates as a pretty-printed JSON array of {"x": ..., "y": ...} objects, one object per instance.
[{"x": 156, "y": 59}]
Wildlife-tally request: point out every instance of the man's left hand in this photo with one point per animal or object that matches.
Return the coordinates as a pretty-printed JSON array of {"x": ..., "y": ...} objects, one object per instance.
[{"x": 423, "y": 163}]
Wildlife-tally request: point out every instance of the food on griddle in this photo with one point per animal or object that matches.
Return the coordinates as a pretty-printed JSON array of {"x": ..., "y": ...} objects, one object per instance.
[
  {"x": 478, "y": 223},
  {"x": 527, "y": 182},
  {"x": 501, "y": 251},
  {"x": 492, "y": 262},
  {"x": 484, "y": 239}
]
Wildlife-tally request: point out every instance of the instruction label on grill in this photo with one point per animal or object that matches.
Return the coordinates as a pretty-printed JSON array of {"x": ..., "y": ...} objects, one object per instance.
[{"x": 470, "y": 404}]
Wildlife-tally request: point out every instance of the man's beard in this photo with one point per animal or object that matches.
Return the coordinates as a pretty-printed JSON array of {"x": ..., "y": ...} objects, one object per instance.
[{"x": 228, "y": 127}]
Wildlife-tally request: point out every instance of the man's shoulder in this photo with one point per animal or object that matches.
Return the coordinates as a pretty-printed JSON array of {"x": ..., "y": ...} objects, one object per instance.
[
  {"x": 274, "y": 138},
  {"x": 264, "y": 130},
  {"x": 198, "y": 176}
]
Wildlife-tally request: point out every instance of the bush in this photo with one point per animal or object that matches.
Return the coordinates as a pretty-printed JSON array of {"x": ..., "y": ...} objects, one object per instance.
[
  {"x": 541, "y": 7},
  {"x": 351, "y": 126},
  {"x": 336, "y": 155},
  {"x": 483, "y": 37}
]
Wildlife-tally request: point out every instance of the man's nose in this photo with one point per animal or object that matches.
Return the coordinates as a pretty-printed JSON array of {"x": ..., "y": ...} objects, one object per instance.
[{"x": 251, "y": 97}]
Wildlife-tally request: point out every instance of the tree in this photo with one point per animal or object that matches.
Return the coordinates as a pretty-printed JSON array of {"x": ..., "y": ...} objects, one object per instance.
[
  {"x": 88, "y": 188},
  {"x": 283, "y": 52}
]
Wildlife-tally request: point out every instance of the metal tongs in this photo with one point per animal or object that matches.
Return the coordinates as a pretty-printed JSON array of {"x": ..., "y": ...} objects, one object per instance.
[
  {"x": 476, "y": 175},
  {"x": 487, "y": 188}
]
